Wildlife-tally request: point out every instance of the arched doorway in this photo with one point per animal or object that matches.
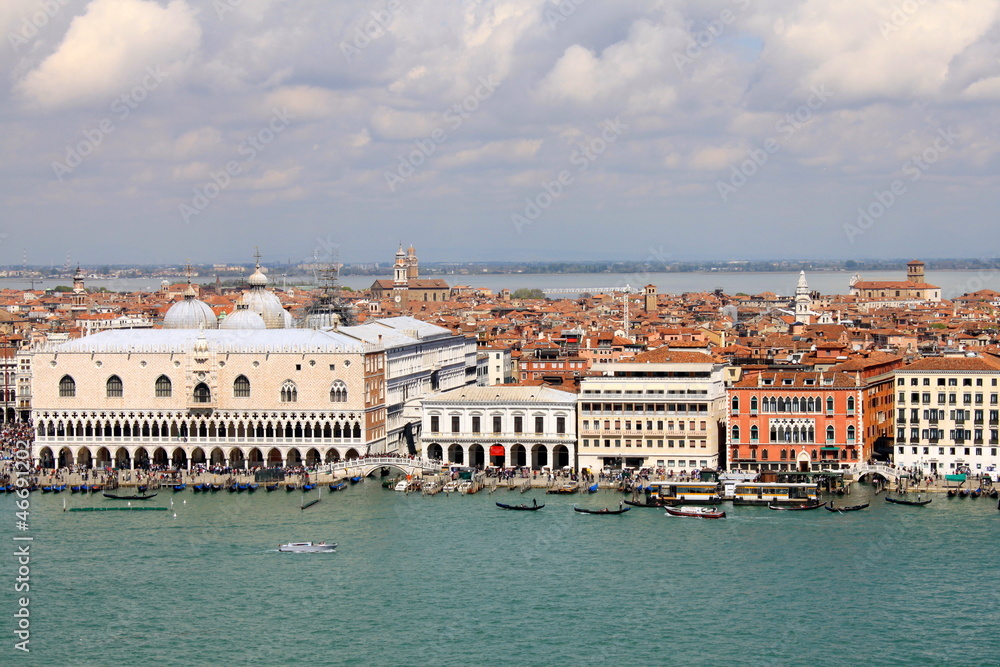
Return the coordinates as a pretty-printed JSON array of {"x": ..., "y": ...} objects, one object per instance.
[
  {"x": 295, "y": 458},
  {"x": 255, "y": 459},
  {"x": 65, "y": 457},
  {"x": 803, "y": 461},
  {"x": 45, "y": 458},
  {"x": 103, "y": 458},
  {"x": 560, "y": 456},
  {"x": 351, "y": 454},
  {"x": 160, "y": 456},
  {"x": 435, "y": 452},
  {"x": 198, "y": 456},
  {"x": 539, "y": 457},
  {"x": 122, "y": 459},
  {"x": 332, "y": 455},
  {"x": 518, "y": 456},
  {"x": 455, "y": 454},
  {"x": 312, "y": 457},
  {"x": 237, "y": 459},
  {"x": 83, "y": 458},
  {"x": 477, "y": 456},
  {"x": 218, "y": 457},
  {"x": 180, "y": 459},
  {"x": 274, "y": 459},
  {"x": 498, "y": 455},
  {"x": 141, "y": 458}
]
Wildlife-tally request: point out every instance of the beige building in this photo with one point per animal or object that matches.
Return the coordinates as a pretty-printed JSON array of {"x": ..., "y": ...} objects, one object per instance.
[{"x": 662, "y": 409}]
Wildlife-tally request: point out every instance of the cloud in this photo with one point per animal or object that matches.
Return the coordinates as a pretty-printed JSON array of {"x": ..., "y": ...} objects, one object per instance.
[{"x": 106, "y": 51}]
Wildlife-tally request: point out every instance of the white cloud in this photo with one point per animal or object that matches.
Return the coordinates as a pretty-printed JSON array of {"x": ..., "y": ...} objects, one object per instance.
[{"x": 107, "y": 50}]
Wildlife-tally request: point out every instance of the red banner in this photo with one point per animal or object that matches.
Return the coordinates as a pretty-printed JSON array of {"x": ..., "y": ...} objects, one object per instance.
[{"x": 496, "y": 450}]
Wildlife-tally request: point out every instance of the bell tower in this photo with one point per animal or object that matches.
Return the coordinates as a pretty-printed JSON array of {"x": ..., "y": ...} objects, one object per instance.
[
  {"x": 649, "y": 298},
  {"x": 915, "y": 272}
]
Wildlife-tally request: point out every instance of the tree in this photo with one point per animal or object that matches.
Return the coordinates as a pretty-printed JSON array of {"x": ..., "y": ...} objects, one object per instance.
[{"x": 525, "y": 293}]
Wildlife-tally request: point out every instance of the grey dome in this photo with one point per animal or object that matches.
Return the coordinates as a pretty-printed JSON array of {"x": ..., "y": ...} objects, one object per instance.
[
  {"x": 191, "y": 313},
  {"x": 243, "y": 318}
]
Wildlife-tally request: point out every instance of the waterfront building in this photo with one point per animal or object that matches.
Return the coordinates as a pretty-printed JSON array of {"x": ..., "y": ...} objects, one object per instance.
[
  {"x": 875, "y": 373},
  {"x": 794, "y": 421},
  {"x": 238, "y": 397},
  {"x": 505, "y": 426},
  {"x": 661, "y": 409},
  {"x": 406, "y": 286},
  {"x": 948, "y": 414},
  {"x": 896, "y": 294}
]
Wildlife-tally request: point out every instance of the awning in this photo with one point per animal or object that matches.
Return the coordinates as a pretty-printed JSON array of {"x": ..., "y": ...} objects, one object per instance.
[{"x": 830, "y": 449}]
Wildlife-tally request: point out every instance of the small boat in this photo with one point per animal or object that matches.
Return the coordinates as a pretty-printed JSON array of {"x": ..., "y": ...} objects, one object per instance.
[
  {"x": 47, "y": 489},
  {"x": 402, "y": 485},
  {"x": 114, "y": 497},
  {"x": 592, "y": 488},
  {"x": 58, "y": 489},
  {"x": 233, "y": 488},
  {"x": 355, "y": 479},
  {"x": 306, "y": 547},
  {"x": 951, "y": 493},
  {"x": 308, "y": 487},
  {"x": 564, "y": 489},
  {"x": 198, "y": 488},
  {"x": 216, "y": 487},
  {"x": 179, "y": 487},
  {"x": 337, "y": 486},
  {"x": 72, "y": 489},
  {"x": 253, "y": 487},
  {"x": 900, "y": 501},
  {"x": 142, "y": 488},
  {"x": 698, "y": 512},
  {"x": 793, "y": 508},
  {"x": 634, "y": 503},
  {"x": 271, "y": 487},
  {"x": 963, "y": 493},
  {"x": 96, "y": 487},
  {"x": 242, "y": 487},
  {"x": 524, "y": 508},
  {"x": 290, "y": 488},
  {"x": 451, "y": 486},
  {"x": 466, "y": 487},
  {"x": 976, "y": 493},
  {"x": 620, "y": 510},
  {"x": 994, "y": 493},
  {"x": 846, "y": 508}
]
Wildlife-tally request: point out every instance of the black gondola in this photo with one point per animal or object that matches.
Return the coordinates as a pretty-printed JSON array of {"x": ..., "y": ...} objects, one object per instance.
[
  {"x": 634, "y": 503},
  {"x": 526, "y": 508},
  {"x": 581, "y": 510},
  {"x": 290, "y": 488},
  {"x": 845, "y": 508},
  {"x": 964, "y": 493},
  {"x": 271, "y": 487},
  {"x": 951, "y": 493},
  {"x": 900, "y": 501},
  {"x": 793, "y": 508},
  {"x": 114, "y": 497}
]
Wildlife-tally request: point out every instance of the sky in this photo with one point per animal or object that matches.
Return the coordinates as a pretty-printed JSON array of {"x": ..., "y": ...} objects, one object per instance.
[{"x": 160, "y": 131}]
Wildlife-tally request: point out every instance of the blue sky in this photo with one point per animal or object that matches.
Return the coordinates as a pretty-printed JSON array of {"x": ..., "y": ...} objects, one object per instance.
[{"x": 156, "y": 131}]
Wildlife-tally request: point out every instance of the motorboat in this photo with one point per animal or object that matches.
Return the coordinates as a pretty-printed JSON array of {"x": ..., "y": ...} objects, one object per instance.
[
  {"x": 451, "y": 486},
  {"x": 699, "y": 512},
  {"x": 402, "y": 485},
  {"x": 306, "y": 547}
]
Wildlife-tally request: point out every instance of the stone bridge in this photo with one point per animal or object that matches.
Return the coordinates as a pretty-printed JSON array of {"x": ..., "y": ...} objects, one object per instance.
[
  {"x": 888, "y": 473},
  {"x": 368, "y": 465}
]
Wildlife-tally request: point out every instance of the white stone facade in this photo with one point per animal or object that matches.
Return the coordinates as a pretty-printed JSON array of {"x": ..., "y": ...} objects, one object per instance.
[{"x": 501, "y": 426}]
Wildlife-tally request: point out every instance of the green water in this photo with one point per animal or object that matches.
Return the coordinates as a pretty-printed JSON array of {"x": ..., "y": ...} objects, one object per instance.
[{"x": 454, "y": 580}]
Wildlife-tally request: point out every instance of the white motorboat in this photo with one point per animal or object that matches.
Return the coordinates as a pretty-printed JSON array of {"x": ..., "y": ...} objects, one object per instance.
[
  {"x": 306, "y": 547},
  {"x": 451, "y": 486},
  {"x": 402, "y": 485}
]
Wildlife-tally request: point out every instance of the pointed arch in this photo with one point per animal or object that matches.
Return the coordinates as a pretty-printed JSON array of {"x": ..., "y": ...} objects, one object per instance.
[
  {"x": 67, "y": 387},
  {"x": 289, "y": 392},
  {"x": 163, "y": 387},
  {"x": 114, "y": 387},
  {"x": 241, "y": 387}
]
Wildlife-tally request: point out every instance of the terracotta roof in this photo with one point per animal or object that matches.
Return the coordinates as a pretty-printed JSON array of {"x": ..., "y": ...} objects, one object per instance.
[{"x": 954, "y": 364}]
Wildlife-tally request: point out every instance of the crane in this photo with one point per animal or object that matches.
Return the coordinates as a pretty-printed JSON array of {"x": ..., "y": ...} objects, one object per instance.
[{"x": 626, "y": 291}]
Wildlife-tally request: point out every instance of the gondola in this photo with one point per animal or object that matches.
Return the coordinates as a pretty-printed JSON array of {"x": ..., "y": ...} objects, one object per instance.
[
  {"x": 74, "y": 489},
  {"x": 58, "y": 489},
  {"x": 142, "y": 488},
  {"x": 47, "y": 489},
  {"x": 976, "y": 493},
  {"x": 634, "y": 503},
  {"x": 179, "y": 487},
  {"x": 592, "y": 488},
  {"x": 242, "y": 487},
  {"x": 233, "y": 488},
  {"x": 308, "y": 487},
  {"x": 271, "y": 487},
  {"x": 963, "y": 493},
  {"x": 338, "y": 486},
  {"x": 253, "y": 487},
  {"x": 951, "y": 493},
  {"x": 900, "y": 501},
  {"x": 845, "y": 508},
  {"x": 290, "y": 488},
  {"x": 525, "y": 508},
  {"x": 114, "y": 497},
  {"x": 994, "y": 494},
  {"x": 216, "y": 487},
  {"x": 582, "y": 510},
  {"x": 198, "y": 488},
  {"x": 795, "y": 508},
  {"x": 697, "y": 512},
  {"x": 355, "y": 479}
]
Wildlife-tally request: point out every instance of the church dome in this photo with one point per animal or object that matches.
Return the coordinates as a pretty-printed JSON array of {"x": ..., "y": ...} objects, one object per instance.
[
  {"x": 191, "y": 313},
  {"x": 243, "y": 318}
]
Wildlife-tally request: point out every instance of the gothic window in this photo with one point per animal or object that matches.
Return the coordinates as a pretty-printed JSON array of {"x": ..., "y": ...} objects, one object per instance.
[
  {"x": 736, "y": 433},
  {"x": 829, "y": 434},
  {"x": 753, "y": 404},
  {"x": 289, "y": 393},
  {"x": 850, "y": 404},
  {"x": 163, "y": 387},
  {"x": 338, "y": 392},
  {"x": 202, "y": 394},
  {"x": 753, "y": 434},
  {"x": 241, "y": 387},
  {"x": 67, "y": 387},
  {"x": 850, "y": 434},
  {"x": 736, "y": 405},
  {"x": 114, "y": 387}
]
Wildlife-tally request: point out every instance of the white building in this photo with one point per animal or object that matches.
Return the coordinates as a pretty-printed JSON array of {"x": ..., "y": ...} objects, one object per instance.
[
  {"x": 662, "y": 409},
  {"x": 948, "y": 414},
  {"x": 501, "y": 426}
]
